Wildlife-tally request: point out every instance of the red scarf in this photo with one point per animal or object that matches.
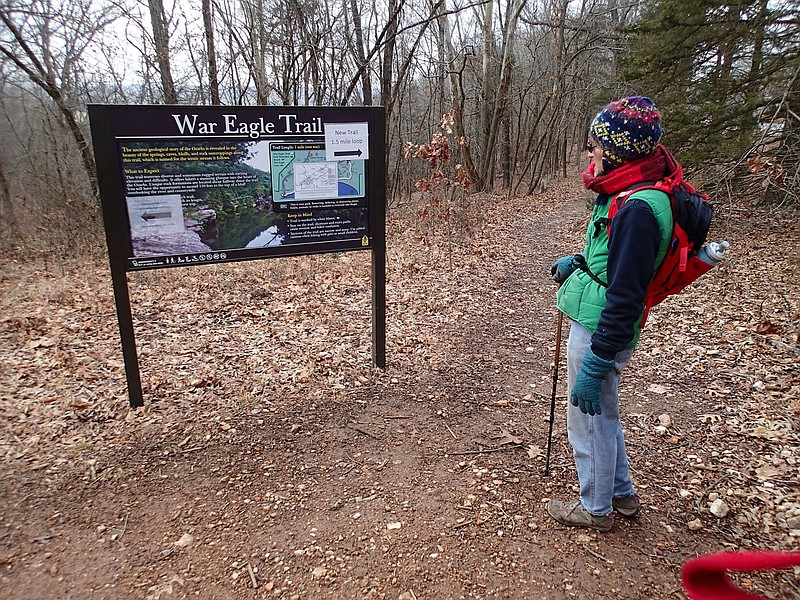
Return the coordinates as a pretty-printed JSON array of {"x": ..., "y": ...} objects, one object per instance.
[{"x": 653, "y": 167}]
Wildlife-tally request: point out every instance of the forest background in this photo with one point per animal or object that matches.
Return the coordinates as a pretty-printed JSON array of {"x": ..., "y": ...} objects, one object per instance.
[{"x": 521, "y": 79}]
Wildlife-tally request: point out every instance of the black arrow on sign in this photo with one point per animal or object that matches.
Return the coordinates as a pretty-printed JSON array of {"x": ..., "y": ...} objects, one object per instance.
[
  {"x": 161, "y": 215},
  {"x": 349, "y": 153}
]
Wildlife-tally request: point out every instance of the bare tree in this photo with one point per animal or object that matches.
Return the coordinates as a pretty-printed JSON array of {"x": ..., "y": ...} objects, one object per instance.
[
  {"x": 46, "y": 43},
  {"x": 208, "y": 28},
  {"x": 360, "y": 52},
  {"x": 521, "y": 78},
  {"x": 8, "y": 217},
  {"x": 160, "y": 25}
]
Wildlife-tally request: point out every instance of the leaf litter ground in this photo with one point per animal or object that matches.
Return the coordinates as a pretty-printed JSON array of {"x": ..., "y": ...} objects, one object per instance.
[{"x": 273, "y": 461}]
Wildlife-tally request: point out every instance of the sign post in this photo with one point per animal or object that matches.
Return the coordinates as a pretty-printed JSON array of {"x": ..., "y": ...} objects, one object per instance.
[
  {"x": 189, "y": 185},
  {"x": 378, "y": 228}
]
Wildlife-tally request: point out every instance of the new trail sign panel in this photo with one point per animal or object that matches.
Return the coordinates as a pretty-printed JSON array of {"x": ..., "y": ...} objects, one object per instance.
[{"x": 189, "y": 185}]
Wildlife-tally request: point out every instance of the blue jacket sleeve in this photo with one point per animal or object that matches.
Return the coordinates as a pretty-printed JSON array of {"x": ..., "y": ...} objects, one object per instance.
[{"x": 633, "y": 246}]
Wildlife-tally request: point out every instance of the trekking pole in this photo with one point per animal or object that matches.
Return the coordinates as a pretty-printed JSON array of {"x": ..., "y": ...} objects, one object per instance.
[{"x": 553, "y": 397}]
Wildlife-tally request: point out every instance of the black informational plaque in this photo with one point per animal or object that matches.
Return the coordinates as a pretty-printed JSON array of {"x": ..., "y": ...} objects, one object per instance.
[{"x": 189, "y": 185}]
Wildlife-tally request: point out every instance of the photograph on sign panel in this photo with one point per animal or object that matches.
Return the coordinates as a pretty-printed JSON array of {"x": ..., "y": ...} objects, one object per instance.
[{"x": 195, "y": 197}]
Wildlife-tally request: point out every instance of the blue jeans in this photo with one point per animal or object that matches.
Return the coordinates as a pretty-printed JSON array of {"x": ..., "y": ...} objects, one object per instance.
[{"x": 598, "y": 445}]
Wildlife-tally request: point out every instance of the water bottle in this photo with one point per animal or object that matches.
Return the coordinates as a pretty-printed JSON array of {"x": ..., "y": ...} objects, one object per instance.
[{"x": 713, "y": 253}]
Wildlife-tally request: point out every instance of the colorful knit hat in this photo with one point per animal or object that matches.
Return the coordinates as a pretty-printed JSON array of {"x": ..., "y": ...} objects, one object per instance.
[{"x": 627, "y": 129}]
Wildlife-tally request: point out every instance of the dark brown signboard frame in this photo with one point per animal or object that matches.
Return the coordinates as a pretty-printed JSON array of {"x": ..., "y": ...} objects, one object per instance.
[{"x": 188, "y": 185}]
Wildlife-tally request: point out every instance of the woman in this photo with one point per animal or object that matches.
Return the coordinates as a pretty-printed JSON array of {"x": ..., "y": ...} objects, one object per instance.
[{"x": 602, "y": 291}]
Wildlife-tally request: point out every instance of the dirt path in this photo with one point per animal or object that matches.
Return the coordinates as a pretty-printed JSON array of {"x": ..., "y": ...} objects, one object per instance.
[{"x": 272, "y": 462}]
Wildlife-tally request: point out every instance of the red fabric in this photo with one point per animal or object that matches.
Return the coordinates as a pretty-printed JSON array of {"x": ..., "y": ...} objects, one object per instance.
[
  {"x": 705, "y": 577},
  {"x": 653, "y": 167}
]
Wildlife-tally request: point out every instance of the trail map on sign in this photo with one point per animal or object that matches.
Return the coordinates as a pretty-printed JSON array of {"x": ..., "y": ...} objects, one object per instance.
[
  {"x": 315, "y": 180},
  {"x": 300, "y": 171}
]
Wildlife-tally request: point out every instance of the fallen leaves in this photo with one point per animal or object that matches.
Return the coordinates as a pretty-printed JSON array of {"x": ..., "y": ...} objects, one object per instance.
[
  {"x": 506, "y": 437},
  {"x": 767, "y": 472},
  {"x": 767, "y": 327},
  {"x": 710, "y": 408},
  {"x": 534, "y": 452}
]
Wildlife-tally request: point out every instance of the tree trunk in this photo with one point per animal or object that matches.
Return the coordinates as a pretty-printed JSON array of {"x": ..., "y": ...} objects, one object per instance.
[
  {"x": 161, "y": 40},
  {"x": 8, "y": 221},
  {"x": 213, "y": 78},
  {"x": 487, "y": 96},
  {"x": 458, "y": 102},
  {"x": 388, "y": 62},
  {"x": 366, "y": 87},
  {"x": 442, "y": 48},
  {"x": 388, "y": 55},
  {"x": 497, "y": 110},
  {"x": 505, "y": 152},
  {"x": 758, "y": 52}
]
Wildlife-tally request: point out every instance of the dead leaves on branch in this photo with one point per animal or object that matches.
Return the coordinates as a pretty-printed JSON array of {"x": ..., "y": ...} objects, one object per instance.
[{"x": 443, "y": 178}]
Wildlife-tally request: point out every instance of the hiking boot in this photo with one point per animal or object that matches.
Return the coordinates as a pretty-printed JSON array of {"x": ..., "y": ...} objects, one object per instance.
[
  {"x": 573, "y": 514},
  {"x": 627, "y": 506}
]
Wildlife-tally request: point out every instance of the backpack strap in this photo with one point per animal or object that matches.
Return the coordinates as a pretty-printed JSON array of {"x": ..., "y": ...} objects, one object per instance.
[
  {"x": 580, "y": 261},
  {"x": 618, "y": 201}
]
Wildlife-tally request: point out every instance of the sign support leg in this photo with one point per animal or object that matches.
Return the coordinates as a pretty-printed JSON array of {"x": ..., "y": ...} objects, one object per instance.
[
  {"x": 377, "y": 216},
  {"x": 379, "y": 307},
  {"x": 125, "y": 318}
]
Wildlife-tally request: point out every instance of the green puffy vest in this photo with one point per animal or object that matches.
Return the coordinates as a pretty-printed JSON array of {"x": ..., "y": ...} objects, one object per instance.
[{"x": 583, "y": 299}]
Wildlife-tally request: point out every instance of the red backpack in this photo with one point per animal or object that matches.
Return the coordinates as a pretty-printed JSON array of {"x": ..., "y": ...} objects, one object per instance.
[{"x": 691, "y": 216}]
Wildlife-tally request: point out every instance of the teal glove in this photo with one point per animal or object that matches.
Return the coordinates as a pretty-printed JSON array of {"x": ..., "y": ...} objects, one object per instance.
[
  {"x": 589, "y": 381},
  {"x": 563, "y": 268}
]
